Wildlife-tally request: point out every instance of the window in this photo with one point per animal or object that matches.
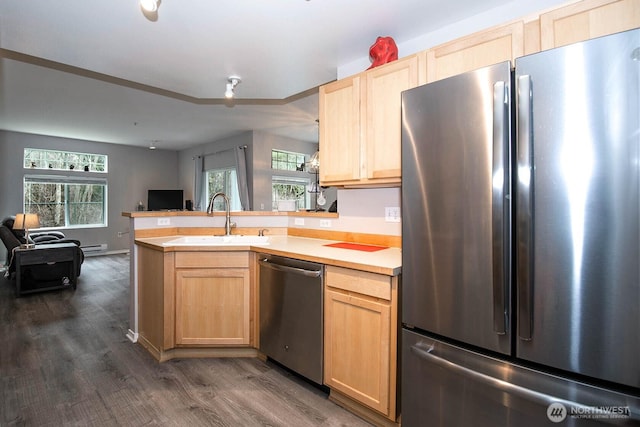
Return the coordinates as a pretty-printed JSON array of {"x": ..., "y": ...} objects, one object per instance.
[
  {"x": 66, "y": 202},
  {"x": 35, "y": 158},
  {"x": 287, "y": 161},
  {"x": 226, "y": 181},
  {"x": 289, "y": 188}
]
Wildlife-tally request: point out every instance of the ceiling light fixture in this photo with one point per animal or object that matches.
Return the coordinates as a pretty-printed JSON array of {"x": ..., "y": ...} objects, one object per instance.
[
  {"x": 231, "y": 86},
  {"x": 150, "y": 5}
]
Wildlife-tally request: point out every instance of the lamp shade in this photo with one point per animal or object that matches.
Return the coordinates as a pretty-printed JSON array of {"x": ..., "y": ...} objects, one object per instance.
[
  {"x": 25, "y": 221},
  {"x": 314, "y": 162}
]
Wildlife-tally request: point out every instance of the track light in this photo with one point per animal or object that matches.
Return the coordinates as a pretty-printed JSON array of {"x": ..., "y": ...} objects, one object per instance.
[
  {"x": 231, "y": 85},
  {"x": 150, "y": 5}
]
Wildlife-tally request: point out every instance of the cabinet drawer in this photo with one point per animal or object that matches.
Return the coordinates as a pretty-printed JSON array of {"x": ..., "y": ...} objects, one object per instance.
[
  {"x": 362, "y": 282},
  {"x": 212, "y": 259}
]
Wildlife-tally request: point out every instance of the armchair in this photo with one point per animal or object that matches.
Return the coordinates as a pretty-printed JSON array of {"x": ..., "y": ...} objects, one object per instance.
[{"x": 47, "y": 272}]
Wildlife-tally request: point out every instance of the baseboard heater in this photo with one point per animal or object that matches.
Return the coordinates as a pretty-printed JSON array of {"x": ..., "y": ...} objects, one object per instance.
[{"x": 92, "y": 249}]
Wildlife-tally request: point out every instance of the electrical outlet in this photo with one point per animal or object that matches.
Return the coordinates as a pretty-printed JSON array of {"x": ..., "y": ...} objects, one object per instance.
[
  {"x": 164, "y": 221},
  {"x": 298, "y": 221},
  {"x": 326, "y": 223},
  {"x": 392, "y": 214}
]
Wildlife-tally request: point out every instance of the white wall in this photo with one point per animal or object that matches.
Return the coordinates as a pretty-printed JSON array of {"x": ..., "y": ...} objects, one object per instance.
[
  {"x": 517, "y": 9},
  {"x": 132, "y": 171}
]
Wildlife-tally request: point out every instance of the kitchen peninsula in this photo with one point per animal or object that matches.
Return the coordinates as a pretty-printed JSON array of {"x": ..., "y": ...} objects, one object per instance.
[{"x": 190, "y": 299}]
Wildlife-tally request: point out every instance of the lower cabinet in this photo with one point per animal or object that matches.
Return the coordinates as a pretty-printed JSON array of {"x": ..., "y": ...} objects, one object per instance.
[
  {"x": 196, "y": 303},
  {"x": 212, "y": 306},
  {"x": 360, "y": 333}
]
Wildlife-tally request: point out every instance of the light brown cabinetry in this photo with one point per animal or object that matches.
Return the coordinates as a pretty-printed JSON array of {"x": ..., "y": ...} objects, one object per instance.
[
  {"x": 586, "y": 20},
  {"x": 212, "y": 298},
  {"x": 339, "y": 131},
  {"x": 212, "y": 306},
  {"x": 360, "y": 125},
  {"x": 361, "y": 338},
  {"x": 475, "y": 51},
  {"x": 194, "y": 300},
  {"x": 155, "y": 300}
]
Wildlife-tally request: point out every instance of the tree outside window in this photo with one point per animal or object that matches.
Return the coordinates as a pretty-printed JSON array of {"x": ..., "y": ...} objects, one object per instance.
[
  {"x": 61, "y": 204},
  {"x": 288, "y": 188},
  {"x": 225, "y": 181}
]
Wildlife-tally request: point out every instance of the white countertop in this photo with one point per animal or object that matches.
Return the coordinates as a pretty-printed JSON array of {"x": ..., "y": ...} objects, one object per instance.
[{"x": 386, "y": 261}]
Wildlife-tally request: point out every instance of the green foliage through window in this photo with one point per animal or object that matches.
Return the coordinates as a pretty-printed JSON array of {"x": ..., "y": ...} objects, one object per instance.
[
  {"x": 62, "y": 202},
  {"x": 226, "y": 181},
  {"x": 287, "y": 161},
  {"x": 35, "y": 158},
  {"x": 286, "y": 188}
]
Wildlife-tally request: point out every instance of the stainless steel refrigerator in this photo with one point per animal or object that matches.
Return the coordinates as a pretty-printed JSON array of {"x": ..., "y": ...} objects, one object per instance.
[{"x": 521, "y": 235}]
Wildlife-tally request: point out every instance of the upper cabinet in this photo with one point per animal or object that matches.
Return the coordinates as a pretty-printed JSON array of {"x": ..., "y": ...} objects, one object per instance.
[
  {"x": 586, "y": 20},
  {"x": 339, "y": 131},
  {"x": 360, "y": 125},
  {"x": 360, "y": 116},
  {"x": 475, "y": 51}
]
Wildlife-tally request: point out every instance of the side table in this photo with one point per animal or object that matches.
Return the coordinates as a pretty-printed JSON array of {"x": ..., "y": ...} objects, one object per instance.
[{"x": 61, "y": 256}]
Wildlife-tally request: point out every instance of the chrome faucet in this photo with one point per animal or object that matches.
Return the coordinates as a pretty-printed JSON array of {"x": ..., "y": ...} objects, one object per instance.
[{"x": 227, "y": 223}]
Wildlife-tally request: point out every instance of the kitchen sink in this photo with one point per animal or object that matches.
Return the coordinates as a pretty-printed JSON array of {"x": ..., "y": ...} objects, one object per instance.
[{"x": 218, "y": 240}]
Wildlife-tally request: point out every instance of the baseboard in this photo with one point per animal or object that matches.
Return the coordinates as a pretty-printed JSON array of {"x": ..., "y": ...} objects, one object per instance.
[
  {"x": 374, "y": 417},
  {"x": 101, "y": 253},
  {"x": 206, "y": 352},
  {"x": 133, "y": 336}
]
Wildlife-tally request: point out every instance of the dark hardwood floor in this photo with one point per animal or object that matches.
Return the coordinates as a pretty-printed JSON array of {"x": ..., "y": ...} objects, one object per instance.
[{"x": 65, "y": 360}]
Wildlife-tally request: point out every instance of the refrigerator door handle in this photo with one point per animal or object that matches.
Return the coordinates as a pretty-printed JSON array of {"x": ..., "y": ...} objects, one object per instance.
[
  {"x": 426, "y": 353},
  {"x": 524, "y": 226},
  {"x": 500, "y": 182}
]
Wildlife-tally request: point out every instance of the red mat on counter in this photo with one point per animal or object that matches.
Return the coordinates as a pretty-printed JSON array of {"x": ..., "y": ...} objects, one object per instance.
[{"x": 356, "y": 246}]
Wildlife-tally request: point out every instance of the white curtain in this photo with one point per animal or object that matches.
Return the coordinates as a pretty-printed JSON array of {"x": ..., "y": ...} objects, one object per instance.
[
  {"x": 198, "y": 183},
  {"x": 241, "y": 172}
]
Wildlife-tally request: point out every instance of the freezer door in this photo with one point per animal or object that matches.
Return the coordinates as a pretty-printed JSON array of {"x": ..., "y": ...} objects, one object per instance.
[
  {"x": 447, "y": 386},
  {"x": 578, "y": 208},
  {"x": 456, "y": 209}
]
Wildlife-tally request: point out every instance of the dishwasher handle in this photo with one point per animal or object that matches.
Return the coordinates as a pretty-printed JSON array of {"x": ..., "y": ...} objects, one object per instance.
[{"x": 287, "y": 269}]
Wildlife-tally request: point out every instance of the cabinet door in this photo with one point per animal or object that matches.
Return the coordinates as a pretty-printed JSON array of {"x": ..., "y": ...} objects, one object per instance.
[
  {"x": 381, "y": 104},
  {"x": 476, "y": 51},
  {"x": 212, "y": 306},
  {"x": 339, "y": 131},
  {"x": 357, "y": 344},
  {"x": 586, "y": 20}
]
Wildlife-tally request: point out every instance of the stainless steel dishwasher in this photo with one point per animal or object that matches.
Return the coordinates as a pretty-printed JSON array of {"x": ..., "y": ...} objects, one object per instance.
[{"x": 291, "y": 313}]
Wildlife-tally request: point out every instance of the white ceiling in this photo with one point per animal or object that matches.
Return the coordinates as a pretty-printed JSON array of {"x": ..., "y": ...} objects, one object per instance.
[{"x": 105, "y": 71}]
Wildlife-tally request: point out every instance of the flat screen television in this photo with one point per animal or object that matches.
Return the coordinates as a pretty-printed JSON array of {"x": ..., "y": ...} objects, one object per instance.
[{"x": 162, "y": 200}]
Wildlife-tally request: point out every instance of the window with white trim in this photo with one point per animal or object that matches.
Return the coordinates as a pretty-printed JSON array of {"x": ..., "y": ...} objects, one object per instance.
[
  {"x": 290, "y": 188},
  {"x": 287, "y": 160},
  {"x": 65, "y": 201},
  {"x": 36, "y": 158},
  {"x": 226, "y": 181}
]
